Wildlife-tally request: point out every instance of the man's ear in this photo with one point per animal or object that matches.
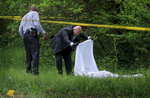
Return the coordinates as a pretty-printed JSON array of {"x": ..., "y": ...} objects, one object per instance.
[{"x": 74, "y": 29}]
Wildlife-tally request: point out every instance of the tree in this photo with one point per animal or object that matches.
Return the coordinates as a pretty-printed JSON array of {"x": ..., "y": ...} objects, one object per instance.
[{"x": 118, "y": 47}]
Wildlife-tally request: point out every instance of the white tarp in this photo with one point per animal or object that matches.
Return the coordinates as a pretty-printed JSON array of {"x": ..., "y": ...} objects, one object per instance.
[{"x": 85, "y": 64}]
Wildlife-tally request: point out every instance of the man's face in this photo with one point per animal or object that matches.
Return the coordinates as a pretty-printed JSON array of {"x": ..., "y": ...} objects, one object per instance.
[{"x": 76, "y": 31}]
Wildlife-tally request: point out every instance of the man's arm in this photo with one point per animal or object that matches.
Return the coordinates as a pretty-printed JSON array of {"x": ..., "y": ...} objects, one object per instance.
[
  {"x": 83, "y": 35},
  {"x": 66, "y": 37},
  {"x": 21, "y": 29},
  {"x": 44, "y": 36},
  {"x": 38, "y": 25}
]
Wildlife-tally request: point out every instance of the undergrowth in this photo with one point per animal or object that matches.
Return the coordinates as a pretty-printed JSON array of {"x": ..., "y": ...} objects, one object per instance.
[{"x": 50, "y": 84}]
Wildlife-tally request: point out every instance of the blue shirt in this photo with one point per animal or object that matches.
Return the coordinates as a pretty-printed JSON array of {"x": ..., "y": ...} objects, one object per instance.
[
  {"x": 74, "y": 37},
  {"x": 24, "y": 25}
]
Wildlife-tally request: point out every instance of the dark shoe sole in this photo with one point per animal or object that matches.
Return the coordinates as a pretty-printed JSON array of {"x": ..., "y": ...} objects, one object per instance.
[
  {"x": 28, "y": 71},
  {"x": 35, "y": 73}
]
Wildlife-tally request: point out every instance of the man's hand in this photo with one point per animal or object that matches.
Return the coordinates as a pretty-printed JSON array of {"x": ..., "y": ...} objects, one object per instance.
[
  {"x": 44, "y": 36},
  {"x": 73, "y": 44},
  {"x": 91, "y": 38}
]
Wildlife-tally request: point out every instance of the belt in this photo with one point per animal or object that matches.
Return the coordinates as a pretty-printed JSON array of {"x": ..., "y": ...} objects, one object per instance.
[{"x": 31, "y": 32}]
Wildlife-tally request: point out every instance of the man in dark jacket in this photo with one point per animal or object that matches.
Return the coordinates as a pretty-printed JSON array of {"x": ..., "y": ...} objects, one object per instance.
[{"x": 63, "y": 44}]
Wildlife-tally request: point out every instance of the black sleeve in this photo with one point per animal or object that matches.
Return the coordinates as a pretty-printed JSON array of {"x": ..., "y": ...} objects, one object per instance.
[
  {"x": 66, "y": 37},
  {"x": 83, "y": 35}
]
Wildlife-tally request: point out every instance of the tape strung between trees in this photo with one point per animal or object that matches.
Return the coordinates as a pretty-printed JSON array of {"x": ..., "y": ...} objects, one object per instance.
[{"x": 82, "y": 24}]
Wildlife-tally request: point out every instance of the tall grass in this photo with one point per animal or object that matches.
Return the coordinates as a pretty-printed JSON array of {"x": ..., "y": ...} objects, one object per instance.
[{"x": 50, "y": 84}]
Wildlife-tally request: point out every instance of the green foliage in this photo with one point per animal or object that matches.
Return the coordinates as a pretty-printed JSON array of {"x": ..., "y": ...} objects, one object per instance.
[
  {"x": 116, "y": 50},
  {"x": 50, "y": 84},
  {"x": 123, "y": 48}
]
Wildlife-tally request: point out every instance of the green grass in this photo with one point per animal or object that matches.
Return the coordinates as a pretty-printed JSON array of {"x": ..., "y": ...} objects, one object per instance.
[{"x": 50, "y": 84}]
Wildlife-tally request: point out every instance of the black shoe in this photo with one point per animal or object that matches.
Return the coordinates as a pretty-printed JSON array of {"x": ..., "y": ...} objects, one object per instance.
[
  {"x": 60, "y": 72},
  {"x": 70, "y": 74},
  {"x": 28, "y": 71},
  {"x": 35, "y": 73}
]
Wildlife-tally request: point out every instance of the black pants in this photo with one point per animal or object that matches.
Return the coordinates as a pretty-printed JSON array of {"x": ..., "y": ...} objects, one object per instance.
[
  {"x": 66, "y": 54},
  {"x": 32, "y": 47}
]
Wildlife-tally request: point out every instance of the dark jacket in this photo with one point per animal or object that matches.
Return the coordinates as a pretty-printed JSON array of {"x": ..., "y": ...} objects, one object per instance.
[{"x": 63, "y": 39}]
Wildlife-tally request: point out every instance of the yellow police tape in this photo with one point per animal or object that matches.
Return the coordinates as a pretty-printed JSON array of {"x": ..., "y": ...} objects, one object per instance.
[{"x": 82, "y": 24}]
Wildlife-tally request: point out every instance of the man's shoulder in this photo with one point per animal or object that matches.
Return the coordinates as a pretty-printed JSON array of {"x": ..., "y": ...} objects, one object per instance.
[
  {"x": 68, "y": 28},
  {"x": 29, "y": 13},
  {"x": 34, "y": 12}
]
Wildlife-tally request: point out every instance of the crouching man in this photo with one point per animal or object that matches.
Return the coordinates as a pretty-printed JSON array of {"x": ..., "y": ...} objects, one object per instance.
[{"x": 63, "y": 44}]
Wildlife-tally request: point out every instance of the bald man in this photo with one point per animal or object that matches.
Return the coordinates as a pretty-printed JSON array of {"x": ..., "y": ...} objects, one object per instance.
[
  {"x": 64, "y": 43},
  {"x": 28, "y": 31}
]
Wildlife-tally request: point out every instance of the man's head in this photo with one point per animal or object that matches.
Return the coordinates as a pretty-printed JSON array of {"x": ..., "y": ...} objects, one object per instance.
[
  {"x": 77, "y": 30},
  {"x": 33, "y": 8}
]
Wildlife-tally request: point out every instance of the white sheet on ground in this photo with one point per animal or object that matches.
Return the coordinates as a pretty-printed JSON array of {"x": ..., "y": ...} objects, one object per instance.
[{"x": 85, "y": 64}]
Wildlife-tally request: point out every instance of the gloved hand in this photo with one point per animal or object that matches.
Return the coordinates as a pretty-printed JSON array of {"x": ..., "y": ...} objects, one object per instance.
[
  {"x": 75, "y": 44},
  {"x": 91, "y": 38}
]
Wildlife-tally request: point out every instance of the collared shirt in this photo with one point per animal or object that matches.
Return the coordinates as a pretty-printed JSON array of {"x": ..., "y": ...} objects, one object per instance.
[
  {"x": 32, "y": 15},
  {"x": 74, "y": 37}
]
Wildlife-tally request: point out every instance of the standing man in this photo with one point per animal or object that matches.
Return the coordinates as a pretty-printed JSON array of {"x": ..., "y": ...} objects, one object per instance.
[
  {"x": 28, "y": 31},
  {"x": 63, "y": 44}
]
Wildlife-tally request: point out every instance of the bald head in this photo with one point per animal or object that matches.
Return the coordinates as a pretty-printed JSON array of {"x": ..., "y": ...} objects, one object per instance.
[
  {"x": 77, "y": 30},
  {"x": 33, "y": 8}
]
